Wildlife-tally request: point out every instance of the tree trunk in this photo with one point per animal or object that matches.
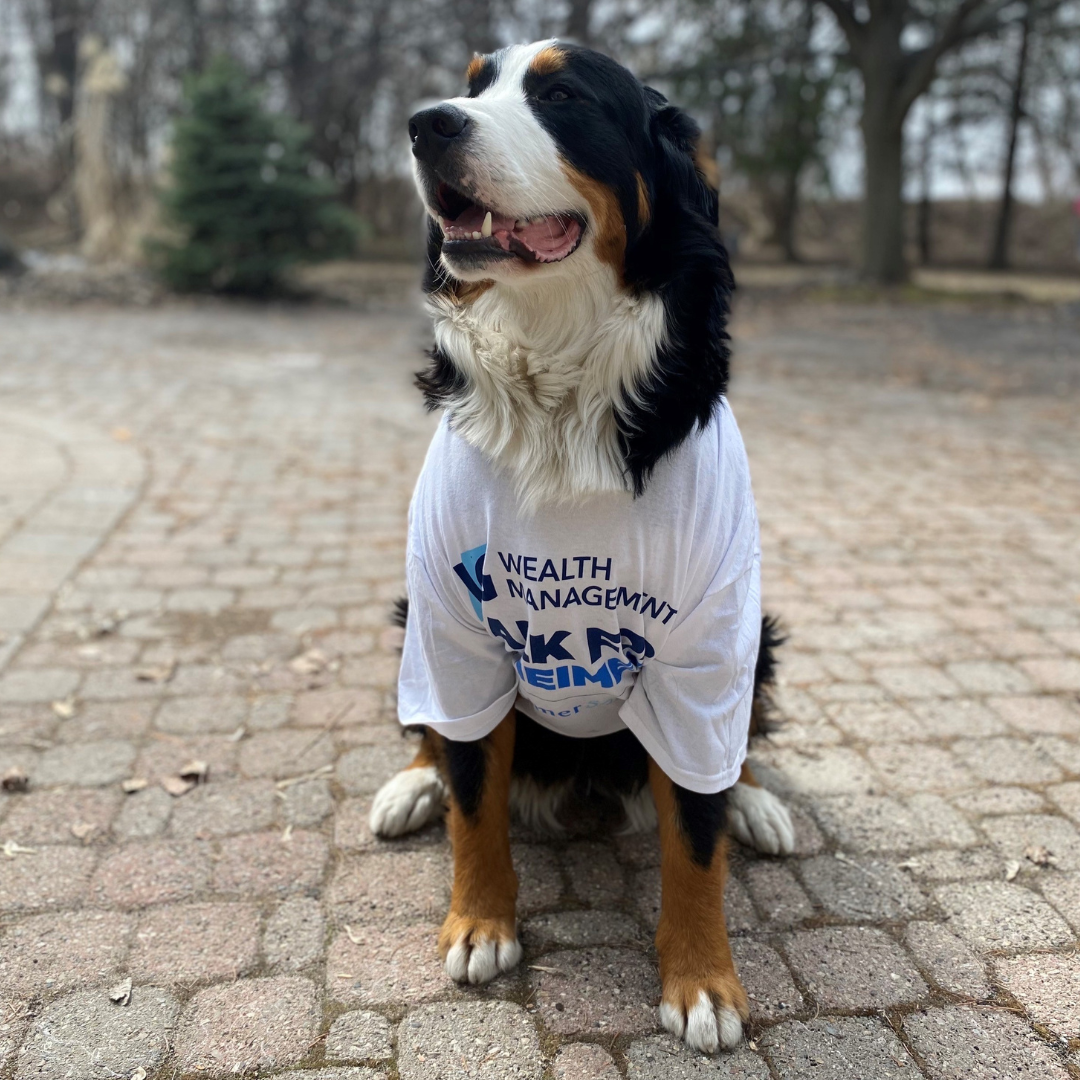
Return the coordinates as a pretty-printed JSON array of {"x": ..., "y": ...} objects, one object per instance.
[
  {"x": 577, "y": 22},
  {"x": 924, "y": 223},
  {"x": 999, "y": 253},
  {"x": 787, "y": 214},
  {"x": 883, "y": 204}
]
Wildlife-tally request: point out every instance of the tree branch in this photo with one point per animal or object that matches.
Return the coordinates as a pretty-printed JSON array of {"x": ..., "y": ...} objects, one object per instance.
[
  {"x": 921, "y": 66},
  {"x": 853, "y": 30}
]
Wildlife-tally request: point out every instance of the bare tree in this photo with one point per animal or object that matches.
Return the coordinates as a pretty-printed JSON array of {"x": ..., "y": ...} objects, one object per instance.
[
  {"x": 999, "y": 253},
  {"x": 894, "y": 75}
]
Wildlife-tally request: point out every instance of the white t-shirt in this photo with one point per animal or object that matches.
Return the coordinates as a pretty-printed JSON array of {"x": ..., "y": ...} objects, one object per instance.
[{"x": 642, "y": 613}]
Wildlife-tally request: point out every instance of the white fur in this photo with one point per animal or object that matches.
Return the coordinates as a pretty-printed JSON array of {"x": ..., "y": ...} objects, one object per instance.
[
  {"x": 548, "y": 368},
  {"x": 550, "y": 353},
  {"x": 640, "y": 812},
  {"x": 704, "y": 1028},
  {"x": 407, "y": 802},
  {"x": 537, "y": 805},
  {"x": 481, "y": 960},
  {"x": 760, "y": 820}
]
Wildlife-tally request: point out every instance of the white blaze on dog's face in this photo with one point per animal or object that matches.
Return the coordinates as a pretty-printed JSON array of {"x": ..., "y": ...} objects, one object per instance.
[{"x": 536, "y": 170}]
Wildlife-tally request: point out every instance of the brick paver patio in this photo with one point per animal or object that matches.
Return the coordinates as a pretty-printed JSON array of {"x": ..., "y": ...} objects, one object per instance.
[{"x": 201, "y": 525}]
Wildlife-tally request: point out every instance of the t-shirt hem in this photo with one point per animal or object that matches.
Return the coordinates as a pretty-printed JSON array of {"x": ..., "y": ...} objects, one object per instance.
[
  {"x": 701, "y": 784},
  {"x": 467, "y": 728}
]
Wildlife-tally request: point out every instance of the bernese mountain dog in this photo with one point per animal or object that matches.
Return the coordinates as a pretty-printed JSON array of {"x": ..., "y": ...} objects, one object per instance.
[{"x": 583, "y": 563}]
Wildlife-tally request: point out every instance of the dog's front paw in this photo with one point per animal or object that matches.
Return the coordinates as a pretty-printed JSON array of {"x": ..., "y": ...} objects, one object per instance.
[
  {"x": 708, "y": 1017},
  {"x": 758, "y": 819},
  {"x": 407, "y": 802},
  {"x": 476, "y": 950}
]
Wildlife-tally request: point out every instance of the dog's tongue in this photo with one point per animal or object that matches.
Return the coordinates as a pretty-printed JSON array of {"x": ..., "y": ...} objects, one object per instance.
[{"x": 548, "y": 238}]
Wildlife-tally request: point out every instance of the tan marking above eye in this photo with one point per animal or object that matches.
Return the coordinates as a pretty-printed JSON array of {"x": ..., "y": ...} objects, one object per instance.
[
  {"x": 476, "y": 65},
  {"x": 548, "y": 60}
]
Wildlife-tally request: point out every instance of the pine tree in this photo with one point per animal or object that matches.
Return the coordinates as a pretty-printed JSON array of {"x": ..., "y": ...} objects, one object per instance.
[{"x": 244, "y": 200}]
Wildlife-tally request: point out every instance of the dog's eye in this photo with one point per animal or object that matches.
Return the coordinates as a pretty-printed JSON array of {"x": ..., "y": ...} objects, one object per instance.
[{"x": 557, "y": 93}]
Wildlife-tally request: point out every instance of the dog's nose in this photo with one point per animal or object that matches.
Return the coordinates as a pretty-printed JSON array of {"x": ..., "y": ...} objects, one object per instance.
[{"x": 434, "y": 130}]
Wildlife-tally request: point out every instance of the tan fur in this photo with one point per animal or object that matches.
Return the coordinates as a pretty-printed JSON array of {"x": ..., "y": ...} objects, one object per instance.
[
  {"x": 548, "y": 61},
  {"x": 608, "y": 224},
  {"x": 746, "y": 776},
  {"x": 485, "y": 889},
  {"x": 476, "y": 65},
  {"x": 644, "y": 211},
  {"x": 426, "y": 754},
  {"x": 692, "y": 936}
]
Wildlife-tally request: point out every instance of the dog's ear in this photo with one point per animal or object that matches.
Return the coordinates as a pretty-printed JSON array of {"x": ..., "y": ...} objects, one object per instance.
[{"x": 683, "y": 168}]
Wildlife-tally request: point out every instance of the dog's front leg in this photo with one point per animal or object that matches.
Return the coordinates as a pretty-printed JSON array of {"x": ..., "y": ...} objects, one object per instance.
[
  {"x": 479, "y": 937},
  {"x": 703, "y": 1001}
]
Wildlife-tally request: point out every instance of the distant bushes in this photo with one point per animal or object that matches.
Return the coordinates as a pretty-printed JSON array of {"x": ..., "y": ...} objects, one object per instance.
[{"x": 245, "y": 202}]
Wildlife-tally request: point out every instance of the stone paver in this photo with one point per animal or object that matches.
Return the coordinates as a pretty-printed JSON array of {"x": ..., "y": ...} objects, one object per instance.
[
  {"x": 488, "y": 1039},
  {"x": 252, "y": 1024},
  {"x": 662, "y": 1058},
  {"x": 855, "y": 1048},
  {"x": 360, "y": 1036},
  {"x": 202, "y": 522},
  {"x": 958, "y": 1043},
  {"x": 87, "y": 1035}
]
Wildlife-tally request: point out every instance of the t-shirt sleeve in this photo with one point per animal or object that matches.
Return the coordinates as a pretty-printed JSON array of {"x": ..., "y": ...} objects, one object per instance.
[
  {"x": 690, "y": 706},
  {"x": 455, "y": 677}
]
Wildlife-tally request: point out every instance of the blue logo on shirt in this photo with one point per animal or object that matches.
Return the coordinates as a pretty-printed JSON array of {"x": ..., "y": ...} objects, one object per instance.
[{"x": 479, "y": 584}]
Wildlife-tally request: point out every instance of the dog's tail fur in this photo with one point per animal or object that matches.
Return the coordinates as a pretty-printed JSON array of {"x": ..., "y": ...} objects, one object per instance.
[{"x": 763, "y": 711}]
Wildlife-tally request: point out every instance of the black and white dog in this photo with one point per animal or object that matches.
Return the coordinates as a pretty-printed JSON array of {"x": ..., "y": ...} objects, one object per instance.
[{"x": 583, "y": 557}]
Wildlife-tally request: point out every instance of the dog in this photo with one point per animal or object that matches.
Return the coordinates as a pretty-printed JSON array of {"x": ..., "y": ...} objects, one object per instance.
[{"x": 583, "y": 554}]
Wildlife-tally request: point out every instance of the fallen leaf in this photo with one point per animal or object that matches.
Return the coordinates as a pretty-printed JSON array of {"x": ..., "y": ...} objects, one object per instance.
[
  {"x": 65, "y": 709},
  {"x": 138, "y": 1074},
  {"x": 121, "y": 434},
  {"x": 1040, "y": 855},
  {"x": 83, "y": 830},
  {"x": 353, "y": 937},
  {"x": 134, "y": 783},
  {"x": 238, "y": 734},
  {"x": 286, "y": 836},
  {"x": 196, "y": 771},
  {"x": 120, "y": 994},
  {"x": 157, "y": 673},
  {"x": 176, "y": 786},
  {"x": 1012, "y": 868},
  {"x": 11, "y": 849},
  {"x": 309, "y": 663},
  {"x": 15, "y": 779}
]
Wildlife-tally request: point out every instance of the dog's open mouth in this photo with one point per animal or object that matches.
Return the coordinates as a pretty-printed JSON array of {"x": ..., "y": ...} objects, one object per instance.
[{"x": 470, "y": 227}]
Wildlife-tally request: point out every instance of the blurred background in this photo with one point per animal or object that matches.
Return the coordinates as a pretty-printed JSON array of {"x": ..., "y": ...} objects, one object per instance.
[{"x": 869, "y": 137}]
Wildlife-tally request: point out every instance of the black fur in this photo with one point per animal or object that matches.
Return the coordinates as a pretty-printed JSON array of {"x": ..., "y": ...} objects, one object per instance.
[
  {"x": 465, "y": 769},
  {"x": 399, "y": 612},
  {"x": 703, "y": 819},
  {"x": 611, "y": 764},
  {"x": 762, "y": 717},
  {"x": 440, "y": 381}
]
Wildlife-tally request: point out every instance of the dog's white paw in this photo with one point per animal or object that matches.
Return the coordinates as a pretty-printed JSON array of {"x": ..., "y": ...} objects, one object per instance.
[
  {"x": 407, "y": 802},
  {"x": 703, "y": 1027},
  {"x": 760, "y": 820},
  {"x": 477, "y": 952}
]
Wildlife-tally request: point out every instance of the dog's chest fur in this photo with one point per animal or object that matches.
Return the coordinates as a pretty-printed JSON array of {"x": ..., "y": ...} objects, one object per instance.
[{"x": 547, "y": 375}]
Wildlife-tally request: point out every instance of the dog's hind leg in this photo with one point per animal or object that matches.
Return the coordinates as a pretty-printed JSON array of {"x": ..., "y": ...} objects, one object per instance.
[
  {"x": 703, "y": 1001},
  {"x": 757, "y": 818},
  {"x": 412, "y": 798},
  {"x": 478, "y": 939}
]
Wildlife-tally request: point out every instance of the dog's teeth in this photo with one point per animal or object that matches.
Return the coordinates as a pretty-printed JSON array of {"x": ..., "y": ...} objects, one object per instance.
[
  {"x": 485, "y": 229},
  {"x": 521, "y": 223}
]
